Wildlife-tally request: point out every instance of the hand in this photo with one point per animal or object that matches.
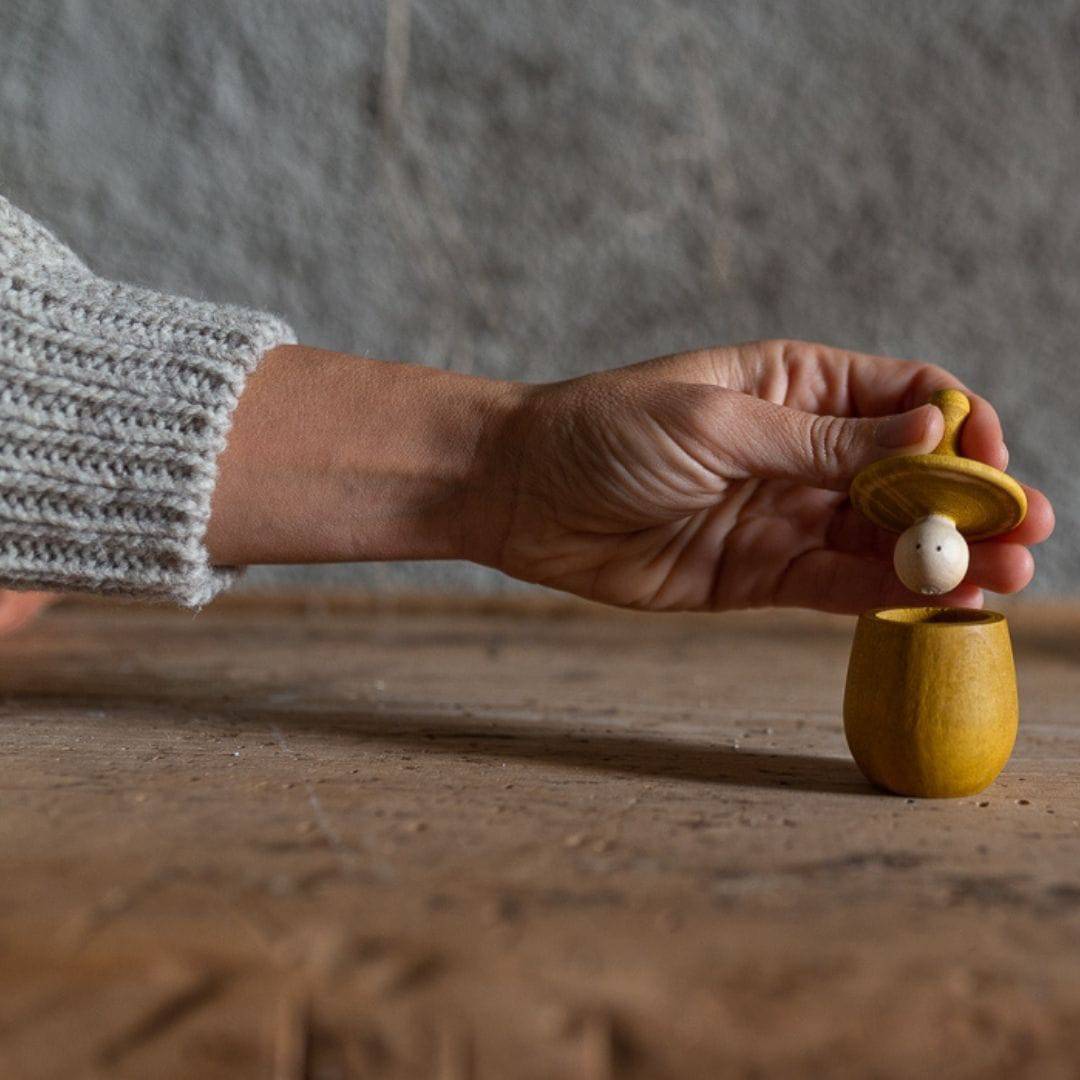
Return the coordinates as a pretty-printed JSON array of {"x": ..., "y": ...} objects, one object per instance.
[
  {"x": 19, "y": 608},
  {"x": 717, "y": 479}
]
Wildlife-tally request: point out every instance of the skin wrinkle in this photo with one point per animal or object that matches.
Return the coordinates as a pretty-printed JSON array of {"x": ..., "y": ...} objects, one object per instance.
[
  {"x": 773, "y": 581},
  {"x": 672, "y": 551},
  {"x": 693, "y": 548},
  {"x": 644, "y": 485},
  {"x": 741, "y": 498},
  {"x": 776, "y": 382},
  {"x": 633, "y": 481},
  {"x": 745, "y": 534},
  {"x": 800, "y": 374},
  {"x": 828, "y": 440},
  {"x": 709, "y": 470}
]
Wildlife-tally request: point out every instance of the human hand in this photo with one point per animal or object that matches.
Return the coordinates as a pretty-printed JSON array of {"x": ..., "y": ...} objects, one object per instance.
[
  {"x": 717, "y": 479},
  {"x": 19, "y": 608}
]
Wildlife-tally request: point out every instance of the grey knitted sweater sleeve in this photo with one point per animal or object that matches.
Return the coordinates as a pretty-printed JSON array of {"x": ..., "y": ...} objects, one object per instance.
[{"x": 115, "y": 402}]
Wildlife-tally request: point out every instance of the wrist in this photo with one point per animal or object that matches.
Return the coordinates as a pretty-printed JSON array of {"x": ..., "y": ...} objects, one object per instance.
[{"x": 489, "y": 497}]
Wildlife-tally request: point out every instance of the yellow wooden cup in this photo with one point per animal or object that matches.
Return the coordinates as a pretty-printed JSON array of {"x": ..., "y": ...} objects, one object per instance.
[{"x": 930, "y": 707}]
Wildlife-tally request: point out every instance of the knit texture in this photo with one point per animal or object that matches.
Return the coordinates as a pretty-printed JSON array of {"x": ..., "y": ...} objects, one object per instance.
[{"x": 115, "y": 402}]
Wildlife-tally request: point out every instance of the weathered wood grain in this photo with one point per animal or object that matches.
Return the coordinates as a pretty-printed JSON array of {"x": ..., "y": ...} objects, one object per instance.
[{"x": 314, "y": 840}]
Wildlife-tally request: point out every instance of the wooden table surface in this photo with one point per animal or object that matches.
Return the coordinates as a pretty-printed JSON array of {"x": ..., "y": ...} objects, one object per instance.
[{"x": 304, "y": 839}]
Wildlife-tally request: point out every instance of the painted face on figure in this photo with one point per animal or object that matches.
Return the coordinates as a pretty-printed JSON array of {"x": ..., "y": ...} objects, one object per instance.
[{"x": 931, "y": 557}]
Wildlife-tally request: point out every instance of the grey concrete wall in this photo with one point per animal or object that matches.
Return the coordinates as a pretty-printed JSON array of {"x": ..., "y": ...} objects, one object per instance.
[{"x": 581, "y": 183}]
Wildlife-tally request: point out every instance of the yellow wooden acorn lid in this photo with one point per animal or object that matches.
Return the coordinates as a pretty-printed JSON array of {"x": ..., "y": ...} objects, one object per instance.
[{"x": 982, "y": 501}]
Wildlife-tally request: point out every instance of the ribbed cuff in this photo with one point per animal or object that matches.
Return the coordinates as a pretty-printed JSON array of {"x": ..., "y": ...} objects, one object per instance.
[{"x": 115, "y": 403}]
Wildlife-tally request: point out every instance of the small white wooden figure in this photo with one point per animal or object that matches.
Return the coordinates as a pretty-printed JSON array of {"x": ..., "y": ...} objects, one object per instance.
[{"x": 931, "y": 557}]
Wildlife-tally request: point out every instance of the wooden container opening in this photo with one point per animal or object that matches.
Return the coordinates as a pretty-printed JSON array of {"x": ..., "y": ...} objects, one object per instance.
[{"x": 924, "y": 616}]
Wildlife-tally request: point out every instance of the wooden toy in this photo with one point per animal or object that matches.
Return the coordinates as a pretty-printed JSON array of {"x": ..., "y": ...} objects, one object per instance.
[
  {"x": 937, "y": 500},
  {"x": 930, "y": 707}
]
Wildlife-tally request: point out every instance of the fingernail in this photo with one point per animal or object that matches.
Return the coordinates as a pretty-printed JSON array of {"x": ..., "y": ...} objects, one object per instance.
[{"x": 904, "y": 429}]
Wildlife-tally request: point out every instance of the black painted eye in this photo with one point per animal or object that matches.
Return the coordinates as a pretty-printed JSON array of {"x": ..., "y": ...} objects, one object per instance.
[
  {"x": 918, "y": 547},
  {"x": 938, "y": 548}
]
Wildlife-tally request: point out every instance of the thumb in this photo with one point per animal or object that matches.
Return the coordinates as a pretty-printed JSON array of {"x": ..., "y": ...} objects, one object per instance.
[{"x": 826, "y": 451}]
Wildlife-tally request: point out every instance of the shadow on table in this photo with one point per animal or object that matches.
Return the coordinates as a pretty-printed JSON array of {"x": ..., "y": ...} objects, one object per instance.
[
  {"x": 276, "y": 701},
  {"x": 651, "y": 756},
  {"x": 553, "y": 743}
]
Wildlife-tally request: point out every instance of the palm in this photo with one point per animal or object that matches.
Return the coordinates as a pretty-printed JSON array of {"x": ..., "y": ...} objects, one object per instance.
[
  {"x": 629, "y": 518},
  {"x": 628, "y": 497}
]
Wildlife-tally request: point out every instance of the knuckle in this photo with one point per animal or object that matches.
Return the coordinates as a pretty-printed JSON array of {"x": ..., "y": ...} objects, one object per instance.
[
  {"x": 831, "y": 444},
  {"x": 794, "y": 352}
]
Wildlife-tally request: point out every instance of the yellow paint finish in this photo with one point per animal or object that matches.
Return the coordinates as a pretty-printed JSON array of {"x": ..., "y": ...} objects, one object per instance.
[
  {"x": 930, "y": 708},
  {"x": 897, "y": 492}
]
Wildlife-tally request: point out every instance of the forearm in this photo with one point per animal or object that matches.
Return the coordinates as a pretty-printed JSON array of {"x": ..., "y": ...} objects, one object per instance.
[{"x": 338, "y": 458}]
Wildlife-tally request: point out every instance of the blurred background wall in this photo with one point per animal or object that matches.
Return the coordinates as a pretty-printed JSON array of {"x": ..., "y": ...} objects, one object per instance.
[{"x": 541, "y": 189}]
